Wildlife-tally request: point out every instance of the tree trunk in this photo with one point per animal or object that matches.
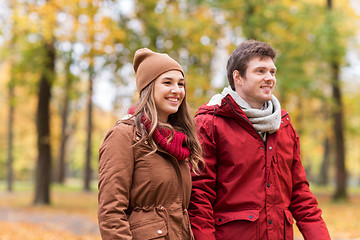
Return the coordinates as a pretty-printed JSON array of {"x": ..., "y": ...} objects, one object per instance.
[
  {"x": 87, "y": 169},
  {"x": 60, "y": 176},
  {"x": 324, "y": 168},
  {"x": 11, "y": 89},
  {"x": 43, "y": 167},
  {"x": 338, "y": 127},
  {"x": 10, "y": 138},
  {"x": 329, "y": 4}
]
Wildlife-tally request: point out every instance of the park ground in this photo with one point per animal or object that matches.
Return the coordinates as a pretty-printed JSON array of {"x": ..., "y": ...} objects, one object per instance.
[{"x": 72, "y": 215}]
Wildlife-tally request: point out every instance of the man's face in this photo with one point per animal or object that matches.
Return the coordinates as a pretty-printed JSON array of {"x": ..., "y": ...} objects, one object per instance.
[{"x": 257, "y": 86}]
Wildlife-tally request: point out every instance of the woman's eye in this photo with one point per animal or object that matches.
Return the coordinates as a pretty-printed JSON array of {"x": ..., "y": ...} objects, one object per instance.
[{"x": 181, "y": 84}]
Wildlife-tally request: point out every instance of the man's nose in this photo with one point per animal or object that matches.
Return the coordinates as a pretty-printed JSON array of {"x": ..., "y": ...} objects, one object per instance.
[{"x": 269, "y": 76}]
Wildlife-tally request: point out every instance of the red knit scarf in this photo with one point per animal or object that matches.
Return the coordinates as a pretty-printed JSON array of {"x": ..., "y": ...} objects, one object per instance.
[{"x": 176, "y": 147}]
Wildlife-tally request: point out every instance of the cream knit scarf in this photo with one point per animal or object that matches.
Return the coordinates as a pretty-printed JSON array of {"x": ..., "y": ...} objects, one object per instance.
[{"x": 266, "y": 119}]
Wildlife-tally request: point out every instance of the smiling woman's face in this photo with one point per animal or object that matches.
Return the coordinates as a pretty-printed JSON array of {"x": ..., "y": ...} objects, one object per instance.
[{"x": 169, "y": 92}]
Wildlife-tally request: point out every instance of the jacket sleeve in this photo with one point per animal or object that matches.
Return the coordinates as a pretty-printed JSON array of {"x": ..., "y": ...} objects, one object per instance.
[
  {"x": 116, "y": 165},
  {"x": 203, "y": 192},
  {"x": 304, "y": 206}
]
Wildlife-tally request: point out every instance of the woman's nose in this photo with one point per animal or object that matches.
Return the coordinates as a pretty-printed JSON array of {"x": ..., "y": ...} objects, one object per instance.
[{"x": 175, "y": 89}]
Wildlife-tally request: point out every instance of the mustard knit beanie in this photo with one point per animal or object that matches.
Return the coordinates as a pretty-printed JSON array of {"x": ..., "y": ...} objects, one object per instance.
[{"x": 149, "y": 65}]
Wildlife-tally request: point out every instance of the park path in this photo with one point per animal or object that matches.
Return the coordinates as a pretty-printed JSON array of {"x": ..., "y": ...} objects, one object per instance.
[{"x": 73, "y": 223}]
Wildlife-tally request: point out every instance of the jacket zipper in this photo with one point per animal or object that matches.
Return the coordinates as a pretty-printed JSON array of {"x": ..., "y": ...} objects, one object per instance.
[
  {"x": 177, "y": 170},
  {"x": 264, "y": 142},
  {"x": 246, "y": 121}
]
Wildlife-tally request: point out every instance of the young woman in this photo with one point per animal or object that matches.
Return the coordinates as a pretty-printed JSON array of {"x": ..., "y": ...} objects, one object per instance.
[{"x": 144, "y": 173}]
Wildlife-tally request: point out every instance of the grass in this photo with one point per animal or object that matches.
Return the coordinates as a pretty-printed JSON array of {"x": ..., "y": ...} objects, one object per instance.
[
  {"x": 342, "y": 218},
  {"x": 66, "y": 199},
  {"x": 21, "y": 231}
]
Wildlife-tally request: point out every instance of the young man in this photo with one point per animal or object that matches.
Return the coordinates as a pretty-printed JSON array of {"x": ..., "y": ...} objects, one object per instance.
[{"x": 254, "y": 183}]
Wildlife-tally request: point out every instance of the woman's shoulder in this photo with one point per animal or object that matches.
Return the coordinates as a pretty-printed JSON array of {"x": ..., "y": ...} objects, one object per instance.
[{"x": 122, "y": 127}]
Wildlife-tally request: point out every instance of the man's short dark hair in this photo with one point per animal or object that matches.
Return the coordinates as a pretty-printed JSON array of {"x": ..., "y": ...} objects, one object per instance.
[{"x": 243, "y": 54}]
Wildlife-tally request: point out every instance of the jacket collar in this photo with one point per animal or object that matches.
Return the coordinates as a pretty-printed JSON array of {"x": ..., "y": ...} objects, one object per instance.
[{"x": 225, "y": 106}]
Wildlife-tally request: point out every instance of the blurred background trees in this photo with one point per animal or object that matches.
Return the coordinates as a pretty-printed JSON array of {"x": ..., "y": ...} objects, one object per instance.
[{"x": 66, "y": 77}]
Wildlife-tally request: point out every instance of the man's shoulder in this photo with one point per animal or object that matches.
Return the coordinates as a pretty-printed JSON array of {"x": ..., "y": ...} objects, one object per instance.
[
  {"x": 284, "y": 113},
  {"x": 205, "y": 110},
  {"x": 286, "y": 121},
  {"x": 285, "y": 116}
]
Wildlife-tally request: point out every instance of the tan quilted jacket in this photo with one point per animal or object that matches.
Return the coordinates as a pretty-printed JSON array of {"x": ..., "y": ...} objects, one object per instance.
[{"x": 141, "y": 196}]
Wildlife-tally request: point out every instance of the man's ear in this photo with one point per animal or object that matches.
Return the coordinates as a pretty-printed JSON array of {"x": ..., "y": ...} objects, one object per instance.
[{"x": 237, "y": 78}]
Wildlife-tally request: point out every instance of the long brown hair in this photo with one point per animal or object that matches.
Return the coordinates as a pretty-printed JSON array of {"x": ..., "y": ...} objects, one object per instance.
[{"x": 180, "y": 121}]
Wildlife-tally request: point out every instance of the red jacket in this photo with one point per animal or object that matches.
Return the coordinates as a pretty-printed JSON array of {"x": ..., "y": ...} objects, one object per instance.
[{"x": 250, "y": 189}]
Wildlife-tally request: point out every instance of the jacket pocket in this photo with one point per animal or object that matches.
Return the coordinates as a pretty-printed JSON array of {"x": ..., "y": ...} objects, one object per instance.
[
  {"x": 288, "y": 228},
  {"x": 150, "y": 230},
  {"x": 231, "y": 225}
]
